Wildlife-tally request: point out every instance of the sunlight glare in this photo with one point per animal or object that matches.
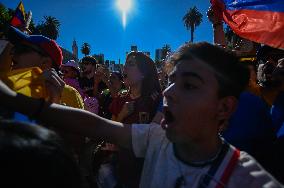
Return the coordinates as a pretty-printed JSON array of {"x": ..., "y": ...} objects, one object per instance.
[
  {"x": 124, "y": 19},
  {"x": 124, "y": 5}
]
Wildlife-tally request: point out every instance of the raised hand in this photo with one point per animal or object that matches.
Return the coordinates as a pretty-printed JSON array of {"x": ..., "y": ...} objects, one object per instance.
[
  {"x": 54, "y": 85},
  {"x": 127, "y": 109}
]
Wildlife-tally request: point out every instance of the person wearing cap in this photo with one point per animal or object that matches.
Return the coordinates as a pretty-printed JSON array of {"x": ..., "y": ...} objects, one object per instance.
[
  {"x": 39, "y": 51},
  {"x": 71, "y": 74}
]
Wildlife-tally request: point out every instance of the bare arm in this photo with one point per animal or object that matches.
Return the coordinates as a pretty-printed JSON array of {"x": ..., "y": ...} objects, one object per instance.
[
  {"x": 219, "y": 34},
  {"x": 218, "y": 30},
  {"x": 69, "y": 119}
]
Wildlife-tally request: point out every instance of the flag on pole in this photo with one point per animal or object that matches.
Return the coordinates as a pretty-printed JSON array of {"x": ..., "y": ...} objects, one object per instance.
[
  {"x": 261, "y": 21},
  {"x": 19, "y": 19}
]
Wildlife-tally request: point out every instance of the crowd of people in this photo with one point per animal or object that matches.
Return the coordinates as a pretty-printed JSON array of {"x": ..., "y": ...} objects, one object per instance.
[{"x": 208, "y": 119}]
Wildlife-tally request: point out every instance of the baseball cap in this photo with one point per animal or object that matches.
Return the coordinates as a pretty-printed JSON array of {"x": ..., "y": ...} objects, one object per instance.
[
  {"x": 71, "y": 63},
  {"x": 47, "y": 45}
]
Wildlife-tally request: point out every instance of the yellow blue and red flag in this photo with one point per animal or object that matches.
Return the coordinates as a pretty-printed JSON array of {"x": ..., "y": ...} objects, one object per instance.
[
  {"x": 19, "y": 19},
  {"x": 261, "y": 21}
]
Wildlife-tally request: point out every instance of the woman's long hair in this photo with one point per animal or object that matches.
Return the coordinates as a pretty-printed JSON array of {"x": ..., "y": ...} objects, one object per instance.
[{"x": 150, "y": 82}]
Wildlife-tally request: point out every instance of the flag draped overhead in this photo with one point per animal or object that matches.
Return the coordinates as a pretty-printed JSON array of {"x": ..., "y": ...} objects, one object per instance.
[
  {"x": 260, "y": 21},
  {"x": 19, "y": 19}
]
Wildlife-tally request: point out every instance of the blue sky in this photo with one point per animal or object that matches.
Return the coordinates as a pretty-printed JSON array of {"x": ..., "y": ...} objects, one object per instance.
[{"x": 150, "y": 23}]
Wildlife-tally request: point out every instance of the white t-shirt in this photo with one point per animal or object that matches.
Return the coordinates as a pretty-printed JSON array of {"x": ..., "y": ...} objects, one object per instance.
[{"x": 162, "y": 168}]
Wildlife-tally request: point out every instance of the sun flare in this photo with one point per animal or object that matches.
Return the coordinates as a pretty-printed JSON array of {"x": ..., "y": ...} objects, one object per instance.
[{"x": 124, "y": 6}]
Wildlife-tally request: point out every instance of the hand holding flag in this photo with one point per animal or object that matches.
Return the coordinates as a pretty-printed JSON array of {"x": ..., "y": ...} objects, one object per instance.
[{"x": 260, "y": 21}]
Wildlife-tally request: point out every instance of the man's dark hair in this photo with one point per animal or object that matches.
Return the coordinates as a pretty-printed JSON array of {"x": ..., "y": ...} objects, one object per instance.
[
  {"x": 89, "y": 59},
  {"x": 231, "y": 75},
  {"x": 32, "y": 156}
]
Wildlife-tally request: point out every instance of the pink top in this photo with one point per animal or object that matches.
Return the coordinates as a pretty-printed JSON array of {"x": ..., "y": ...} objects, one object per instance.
[{"x": 74, "y": 83}]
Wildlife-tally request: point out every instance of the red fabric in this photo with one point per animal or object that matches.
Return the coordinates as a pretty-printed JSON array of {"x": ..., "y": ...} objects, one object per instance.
[
  {"x": 229, "y": 169},
  {"x": 265, "y": 27},
  {"x": 16, "y": 22},
  {"x": 53, "y": 50},
  {"x": 259, "y": 26},
  {"x": 18, "y": 19}
]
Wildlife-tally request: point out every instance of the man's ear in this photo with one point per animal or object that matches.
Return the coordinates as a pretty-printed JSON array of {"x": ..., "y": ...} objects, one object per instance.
[
  {"x": 226, "y": 108},
  {"x": 46, "y": 63}
]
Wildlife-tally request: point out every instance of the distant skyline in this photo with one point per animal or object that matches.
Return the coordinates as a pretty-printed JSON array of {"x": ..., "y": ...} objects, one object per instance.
[{"x": 150, "y": 24}]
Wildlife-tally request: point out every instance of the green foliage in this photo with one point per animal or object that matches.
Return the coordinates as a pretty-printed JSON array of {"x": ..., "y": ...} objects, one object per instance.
[
  {"x": 86, "y": 49},
  {"x": 231, "y": 37},
  {"x": 5, "y": 17},
  {"x": 192, "y": 19},
  {"x": 49, "y": 27}
]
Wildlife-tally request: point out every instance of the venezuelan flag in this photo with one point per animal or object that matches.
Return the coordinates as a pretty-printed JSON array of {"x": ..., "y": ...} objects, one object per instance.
[
  {"x": 261, "y": 21},
  {"x": 19, "y": 19},
  {"x": 27, "y": 81}
]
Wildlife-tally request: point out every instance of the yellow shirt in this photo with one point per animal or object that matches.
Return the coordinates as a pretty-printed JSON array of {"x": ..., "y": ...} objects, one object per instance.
[{"x": 71, "y": 97}]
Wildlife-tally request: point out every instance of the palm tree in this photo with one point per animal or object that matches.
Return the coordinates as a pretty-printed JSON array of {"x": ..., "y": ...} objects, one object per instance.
[
  {"x": 167, "y": 47},
  {"x": 232, "y": 38},
  {"x": 166, "y": 50},
  {"x": 5, "y": 17},
  {"x": 86, "y": 49},
  {"x": 192, "y": 19},
  {"x": 49, "y": 27}
]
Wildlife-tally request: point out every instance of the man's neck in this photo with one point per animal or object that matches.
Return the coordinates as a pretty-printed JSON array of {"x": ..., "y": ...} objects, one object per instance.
[{"x": 198, "y": 152}]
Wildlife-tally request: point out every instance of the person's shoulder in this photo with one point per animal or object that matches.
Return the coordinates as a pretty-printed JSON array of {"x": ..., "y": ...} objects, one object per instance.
[
  {"x": 153, "y": 131},
  {"x": 249, "y": 173},
  {"x": 147, "y": 139},
  {"x": 70, "y": 89},
  {"x": 252, "y": 99},
  {"x": 71, "y": 97}
]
